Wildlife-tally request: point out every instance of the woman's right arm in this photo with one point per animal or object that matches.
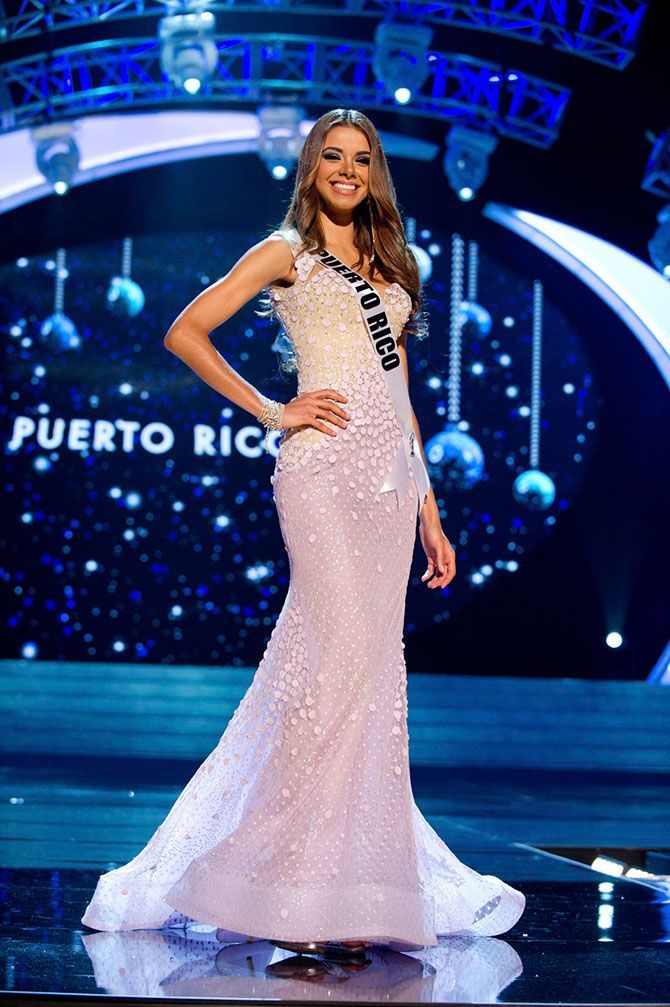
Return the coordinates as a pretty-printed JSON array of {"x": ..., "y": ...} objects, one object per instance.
[{"x": 189, "y": 336}]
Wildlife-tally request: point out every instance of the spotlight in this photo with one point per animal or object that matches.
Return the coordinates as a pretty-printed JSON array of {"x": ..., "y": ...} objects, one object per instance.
[
  {"x": 466, "y": 160},
  {"x": 56, "y": 154},
  {"x": 279, "y": 139},
  {"x": 402, "y": 95},
  {"x": 607, "y": 865},
  {"x": 400, "y": 59},
  {"x": 188, "y": 50},
  {"x": 659, "y": 245},
  {"x": 614, "y": 639}
]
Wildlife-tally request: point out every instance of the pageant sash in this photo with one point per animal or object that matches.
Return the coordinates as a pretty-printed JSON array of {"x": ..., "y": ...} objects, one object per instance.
[{"x": 408, "y": 462}]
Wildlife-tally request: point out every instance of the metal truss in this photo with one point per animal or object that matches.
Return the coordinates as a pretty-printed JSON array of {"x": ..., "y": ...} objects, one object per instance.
[
  {"x": 606, "y": 31},
  {"x": 657, "y": 170},
  {"x": 122, "y": 72}
]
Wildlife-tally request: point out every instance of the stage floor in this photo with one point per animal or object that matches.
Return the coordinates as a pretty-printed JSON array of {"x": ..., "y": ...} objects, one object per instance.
[{"x": 500, "y": 767}]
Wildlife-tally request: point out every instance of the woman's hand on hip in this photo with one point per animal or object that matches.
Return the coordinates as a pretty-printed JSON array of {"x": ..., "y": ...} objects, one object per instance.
[{"x": 317, "y": 409}]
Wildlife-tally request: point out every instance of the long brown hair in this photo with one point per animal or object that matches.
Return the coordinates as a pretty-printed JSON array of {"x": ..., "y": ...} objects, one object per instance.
[{"x": 377, "y": 224}]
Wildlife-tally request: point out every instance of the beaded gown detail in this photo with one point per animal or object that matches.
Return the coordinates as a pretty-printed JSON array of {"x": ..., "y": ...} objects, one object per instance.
[{"x": 301, "y": 824}]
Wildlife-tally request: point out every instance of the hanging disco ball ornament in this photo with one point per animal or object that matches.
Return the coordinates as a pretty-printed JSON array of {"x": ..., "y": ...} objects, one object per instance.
[
  {"x": 60, "y": 332},
  {"x": 473, "y": 316},
  {"x": 423, "y": 259},
  {"x": 535, "y": 490},
  {"x": 125, "y": 297},
  {"x": 456, "y": 458},
  {"x": 283, "y": 346}
]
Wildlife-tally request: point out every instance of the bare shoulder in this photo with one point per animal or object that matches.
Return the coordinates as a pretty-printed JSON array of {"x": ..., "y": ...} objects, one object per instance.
[
  {"x": 271, "y": 258},
  {"x": 278, "y": 252},
  {"x": 266, "y": 262}
]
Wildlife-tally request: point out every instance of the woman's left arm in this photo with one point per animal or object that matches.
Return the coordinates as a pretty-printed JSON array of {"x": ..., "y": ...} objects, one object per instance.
[{"x": 439, "y": 551}]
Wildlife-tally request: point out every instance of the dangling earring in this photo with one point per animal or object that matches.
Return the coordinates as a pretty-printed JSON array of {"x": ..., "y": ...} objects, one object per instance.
[{"x": 372, "y": 231}]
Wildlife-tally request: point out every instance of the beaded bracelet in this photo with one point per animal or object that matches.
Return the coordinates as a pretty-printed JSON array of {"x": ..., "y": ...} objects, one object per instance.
[
  {"x": 272, "y": 413},
  {"x": 271, "y": 416}
]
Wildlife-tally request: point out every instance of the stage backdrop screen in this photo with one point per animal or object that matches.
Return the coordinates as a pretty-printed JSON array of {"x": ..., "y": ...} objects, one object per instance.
[{"x": 140, "y": 520}]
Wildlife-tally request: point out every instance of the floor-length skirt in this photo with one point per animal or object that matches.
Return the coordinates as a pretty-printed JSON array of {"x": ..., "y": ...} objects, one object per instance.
[{"x": 301, "y": 824}]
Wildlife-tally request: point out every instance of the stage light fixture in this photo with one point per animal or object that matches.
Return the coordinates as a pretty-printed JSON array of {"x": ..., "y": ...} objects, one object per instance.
[
  {"x": 279, "y": 140},
  {"x": 608, "y": 865},
  {"x": 400, "y": 60},
  {"x": 466, "y": 159},
  {"x": 402, "y": 95},
  {"x": 188, "y": 49},
  {"x": 659, "y": 245},
  {"x": 614, "y": 639},
  {"x": 56, "y": 154}
]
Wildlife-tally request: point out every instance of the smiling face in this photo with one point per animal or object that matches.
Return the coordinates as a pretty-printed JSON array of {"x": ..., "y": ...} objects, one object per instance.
[{"x": 344, "y": 167}]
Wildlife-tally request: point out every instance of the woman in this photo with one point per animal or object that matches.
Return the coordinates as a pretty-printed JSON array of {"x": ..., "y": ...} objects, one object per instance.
[{"x": 301, "y": 826}]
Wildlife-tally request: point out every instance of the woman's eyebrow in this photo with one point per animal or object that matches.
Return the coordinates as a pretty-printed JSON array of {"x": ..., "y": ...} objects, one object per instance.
[{"x": 330, "y": 147}]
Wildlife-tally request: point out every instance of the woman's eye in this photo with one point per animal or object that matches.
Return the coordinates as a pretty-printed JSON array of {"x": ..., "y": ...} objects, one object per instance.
[{"x": 335, "y": 157}]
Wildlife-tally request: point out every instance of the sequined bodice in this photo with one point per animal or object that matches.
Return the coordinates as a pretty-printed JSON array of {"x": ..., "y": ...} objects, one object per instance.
[{"x": 332, "y": 348}]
